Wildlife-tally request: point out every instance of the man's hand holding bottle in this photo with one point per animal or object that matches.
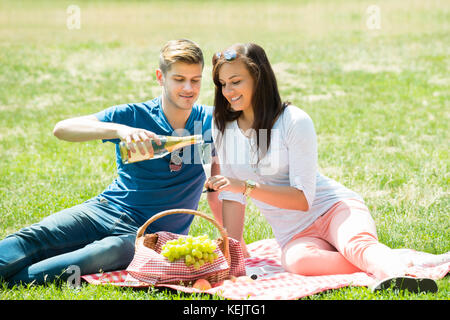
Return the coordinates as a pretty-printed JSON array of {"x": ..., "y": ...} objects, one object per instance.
[{"x": 140, "y": 138}]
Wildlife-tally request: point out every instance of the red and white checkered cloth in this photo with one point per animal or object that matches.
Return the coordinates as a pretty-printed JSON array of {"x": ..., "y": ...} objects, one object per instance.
[{"x": 273, "y": 281}]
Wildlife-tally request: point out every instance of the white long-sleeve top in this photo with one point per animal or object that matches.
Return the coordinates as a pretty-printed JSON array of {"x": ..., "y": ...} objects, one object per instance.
[{"x": 290, "y": 161}]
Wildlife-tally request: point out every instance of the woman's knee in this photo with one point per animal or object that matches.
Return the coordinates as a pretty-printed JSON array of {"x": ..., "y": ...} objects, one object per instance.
[
  {"x": 301, "y": 259},
  {"x": 355, "y": 247}
]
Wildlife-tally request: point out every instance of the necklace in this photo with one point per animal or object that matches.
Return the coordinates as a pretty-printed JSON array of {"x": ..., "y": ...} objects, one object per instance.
[{"x": 248, "y": 132}]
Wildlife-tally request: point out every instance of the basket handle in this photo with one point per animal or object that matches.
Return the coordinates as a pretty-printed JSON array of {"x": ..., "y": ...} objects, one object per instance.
[{"x": 223, "y": 232}]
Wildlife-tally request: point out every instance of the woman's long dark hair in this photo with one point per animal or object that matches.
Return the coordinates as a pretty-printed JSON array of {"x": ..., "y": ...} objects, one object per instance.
[{"x": 266, "y": 101}]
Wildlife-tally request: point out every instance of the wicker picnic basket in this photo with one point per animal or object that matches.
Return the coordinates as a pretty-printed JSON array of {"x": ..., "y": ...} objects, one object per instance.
[{"x": 223, "y": 243}]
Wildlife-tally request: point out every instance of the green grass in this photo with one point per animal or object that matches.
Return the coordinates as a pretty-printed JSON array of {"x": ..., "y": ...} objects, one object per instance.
[{"x": 379, "y": 100}]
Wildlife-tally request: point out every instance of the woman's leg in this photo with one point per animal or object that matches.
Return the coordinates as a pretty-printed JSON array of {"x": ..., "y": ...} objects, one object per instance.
[
  {"x": 343, "y": 240},
  {"x": 310, "y": 256},
  {"x": 350, "y": 228}
]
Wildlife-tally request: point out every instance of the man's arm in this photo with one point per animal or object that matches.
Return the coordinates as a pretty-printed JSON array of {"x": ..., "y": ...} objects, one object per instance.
[{"x": 88, "y": 128}]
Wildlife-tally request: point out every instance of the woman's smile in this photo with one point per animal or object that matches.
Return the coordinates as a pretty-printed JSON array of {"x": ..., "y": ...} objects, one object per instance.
[{"x": 234, "y": 100}]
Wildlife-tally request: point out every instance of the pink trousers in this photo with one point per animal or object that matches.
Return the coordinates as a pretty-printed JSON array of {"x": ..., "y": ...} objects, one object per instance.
[{"x": 342, "y": 241}]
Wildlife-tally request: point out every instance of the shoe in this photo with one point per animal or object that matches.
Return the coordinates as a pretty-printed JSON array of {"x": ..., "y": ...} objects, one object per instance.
[{"x": 415, "y": 285}]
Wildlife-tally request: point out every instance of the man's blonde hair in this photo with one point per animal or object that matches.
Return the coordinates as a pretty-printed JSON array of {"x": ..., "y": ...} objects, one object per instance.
[{"x": 182, "y": 50}]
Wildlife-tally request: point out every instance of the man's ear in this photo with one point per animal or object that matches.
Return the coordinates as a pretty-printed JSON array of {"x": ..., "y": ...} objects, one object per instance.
[{"x": 159, "y": 77}]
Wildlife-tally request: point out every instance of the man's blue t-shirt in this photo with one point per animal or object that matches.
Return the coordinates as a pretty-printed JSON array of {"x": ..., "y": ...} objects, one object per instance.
[{"x": 145, "y": 188}]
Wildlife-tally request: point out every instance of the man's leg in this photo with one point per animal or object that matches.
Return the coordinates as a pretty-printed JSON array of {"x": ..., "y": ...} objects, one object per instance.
[
  {"x": 108, "y": 254},
  {"x": 65, "y": 231}
]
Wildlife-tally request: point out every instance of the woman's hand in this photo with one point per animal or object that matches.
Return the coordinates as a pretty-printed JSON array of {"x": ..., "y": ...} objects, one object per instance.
[
  {"x": 140, "y": 137},
  {"x": 221, "y": 183},
  {"x": 285, "y": 197}
]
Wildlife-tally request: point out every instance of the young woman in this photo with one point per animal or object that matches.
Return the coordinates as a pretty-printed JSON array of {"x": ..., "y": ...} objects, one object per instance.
[{"x": 267, "y": 150}]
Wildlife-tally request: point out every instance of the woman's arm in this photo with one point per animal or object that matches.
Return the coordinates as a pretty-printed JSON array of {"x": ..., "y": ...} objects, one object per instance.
[
  {"x": 284, "y": 197},
  {"x": 233, "y": 221},
  {"x": 213, "y": 197},
  {"x": 280, "y": 196}
]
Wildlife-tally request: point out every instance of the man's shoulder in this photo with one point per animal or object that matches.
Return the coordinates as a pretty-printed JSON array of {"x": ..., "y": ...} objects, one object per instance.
[
  {"x": 145, "y": 105},
  {"x": 155, "y": 105},
  {"x": 203, "y": 108},
  {"x": 149, "y": 105},
  {"x": 203, "y": 111}
]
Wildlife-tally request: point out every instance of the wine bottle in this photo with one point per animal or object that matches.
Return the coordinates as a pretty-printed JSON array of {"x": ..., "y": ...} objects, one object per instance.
[{"x": 168, "y": 144}]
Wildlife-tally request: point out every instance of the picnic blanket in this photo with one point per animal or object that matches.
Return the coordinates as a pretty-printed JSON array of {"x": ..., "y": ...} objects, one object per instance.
[{"x": 272, "y": 282}]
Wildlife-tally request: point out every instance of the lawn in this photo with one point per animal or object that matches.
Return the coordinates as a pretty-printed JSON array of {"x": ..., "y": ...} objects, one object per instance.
[{"x": 375, "y": 81}]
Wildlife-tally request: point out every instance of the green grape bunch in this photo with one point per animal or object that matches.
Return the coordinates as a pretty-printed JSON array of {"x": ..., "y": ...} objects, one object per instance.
[{"x": 195, "y": 251}]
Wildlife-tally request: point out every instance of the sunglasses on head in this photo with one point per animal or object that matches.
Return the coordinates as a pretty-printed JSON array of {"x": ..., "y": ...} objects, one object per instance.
[{"x": 228, "y": 55}]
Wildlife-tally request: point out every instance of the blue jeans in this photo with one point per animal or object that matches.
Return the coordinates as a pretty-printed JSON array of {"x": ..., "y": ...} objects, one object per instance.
[{"x": 94, "y": 236}]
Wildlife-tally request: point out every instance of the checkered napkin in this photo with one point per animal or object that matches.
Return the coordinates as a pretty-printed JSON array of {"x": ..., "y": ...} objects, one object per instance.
[
  {"x": 272, "y": 282},
  {"x": 151, "y": 267}
]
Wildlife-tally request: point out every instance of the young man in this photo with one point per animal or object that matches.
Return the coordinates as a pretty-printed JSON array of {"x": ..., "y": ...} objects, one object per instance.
[{"x": 99, "y": 234}]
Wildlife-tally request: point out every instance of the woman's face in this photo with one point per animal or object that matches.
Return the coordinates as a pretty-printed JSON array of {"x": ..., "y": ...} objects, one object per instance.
[{"x": 237, "y": 85}]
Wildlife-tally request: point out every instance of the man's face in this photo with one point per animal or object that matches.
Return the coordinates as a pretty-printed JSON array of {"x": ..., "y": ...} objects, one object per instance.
[{"x": 181, "y": 84}]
